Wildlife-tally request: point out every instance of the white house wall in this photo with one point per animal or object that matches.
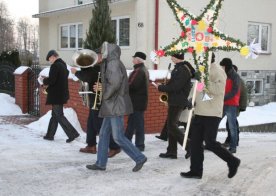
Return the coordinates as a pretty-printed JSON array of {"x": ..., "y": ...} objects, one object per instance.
[{"x": 233, "y": 20}]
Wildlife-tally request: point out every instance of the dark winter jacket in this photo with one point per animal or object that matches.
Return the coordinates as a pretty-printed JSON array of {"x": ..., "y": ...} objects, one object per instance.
[
  {"x": 115, "y": 97},
  {"x": 232, "y": 88},
  {"x": 57, "y": 82},
  {"x": 179, "y": 86},
  {"x": 89, "y": 75},
  {"x": 138, "y": 87}
]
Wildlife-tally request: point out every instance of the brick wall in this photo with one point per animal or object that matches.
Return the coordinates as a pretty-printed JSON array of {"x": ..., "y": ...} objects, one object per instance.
[
  {"x": 21, "y": 90},
  {"x": 155, "y": 115}
]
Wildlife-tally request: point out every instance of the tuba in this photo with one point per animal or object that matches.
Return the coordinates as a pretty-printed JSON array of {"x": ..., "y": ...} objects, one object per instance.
[
  {"x": 163, "y": 98},
  {"x": 84, "y": 59}
]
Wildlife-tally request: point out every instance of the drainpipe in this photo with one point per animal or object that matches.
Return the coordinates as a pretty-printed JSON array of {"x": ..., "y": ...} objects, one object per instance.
[{"x": 156, "y": 28}]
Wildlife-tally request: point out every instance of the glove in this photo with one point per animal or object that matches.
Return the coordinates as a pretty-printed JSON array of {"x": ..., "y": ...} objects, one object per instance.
[{"x": 189, "y": 104}]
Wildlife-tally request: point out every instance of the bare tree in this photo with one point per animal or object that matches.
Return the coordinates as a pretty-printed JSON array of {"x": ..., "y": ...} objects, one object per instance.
[
  {"x": 6, "y": 30},
  {"x": 27, "y": 40}
]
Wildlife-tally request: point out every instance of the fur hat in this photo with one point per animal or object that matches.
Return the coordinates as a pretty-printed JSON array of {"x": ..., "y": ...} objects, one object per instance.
[
  {"x": 226, "y": 62},
  {"x": 140, "y": 55},
  {"x": 51, "y": 53},
  {"x": 179, "y": 56}
]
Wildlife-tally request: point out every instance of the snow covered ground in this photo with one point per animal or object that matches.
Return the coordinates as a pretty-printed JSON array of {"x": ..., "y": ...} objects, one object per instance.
[{"x": 31, "y": 166}]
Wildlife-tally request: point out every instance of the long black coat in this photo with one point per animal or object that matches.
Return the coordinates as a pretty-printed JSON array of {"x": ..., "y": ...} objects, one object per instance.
[
  {"x": 138, "y": 87},
  {"x": 57, "y": 82},
  {"x": 179, "y": 86},
  {"x": 90, "y": 75}
]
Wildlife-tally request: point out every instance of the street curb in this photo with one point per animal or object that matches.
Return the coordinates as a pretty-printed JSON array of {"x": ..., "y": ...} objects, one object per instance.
[{"x": 268, "y": 127}]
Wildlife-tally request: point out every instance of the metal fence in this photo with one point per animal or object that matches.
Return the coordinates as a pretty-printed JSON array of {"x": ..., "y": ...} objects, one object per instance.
[
  {"x": 33, "y": 91},
  {"x": 6, "y": 78}
]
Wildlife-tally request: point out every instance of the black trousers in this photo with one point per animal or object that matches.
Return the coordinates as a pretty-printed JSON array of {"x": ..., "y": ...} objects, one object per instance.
[
  {"x": 205, "y": 128},
  {"x": 175, "y": 134},
  {"x": 94, "y": 123},
  {"x": 58, "y": 117}
]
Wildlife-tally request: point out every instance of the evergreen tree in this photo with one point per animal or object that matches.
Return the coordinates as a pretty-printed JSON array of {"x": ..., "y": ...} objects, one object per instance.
[{"x": 100, "y": 27}]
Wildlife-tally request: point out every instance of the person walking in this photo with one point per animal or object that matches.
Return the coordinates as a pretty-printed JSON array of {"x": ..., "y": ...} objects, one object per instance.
[
  {"x": 231, "y": 101},
  {"x": 115, "y": 104},
  {"x": 205, "y": 124},
  {"x": 94, "y": 122},
  {"x": 178, "y": 89},
  {"x": 241, "y": 108},
  {"x": 138, "y": 90},
  {"x": 57, "y": 95}
]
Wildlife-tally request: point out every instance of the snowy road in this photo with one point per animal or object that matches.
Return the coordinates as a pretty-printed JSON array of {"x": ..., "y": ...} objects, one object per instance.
[{"x": 31, "y": 166}]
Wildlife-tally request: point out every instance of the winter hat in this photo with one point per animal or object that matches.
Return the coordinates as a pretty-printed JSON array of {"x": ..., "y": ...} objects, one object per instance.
[
  {"x": 140, "y": 55},
  {"x": 51, "y": 53},
  {"x": 179, "y": 56},
  {"x": 226, "y": 62}
]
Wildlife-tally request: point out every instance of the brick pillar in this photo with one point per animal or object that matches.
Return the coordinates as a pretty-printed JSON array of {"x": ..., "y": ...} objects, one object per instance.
[{"x": 21, "y": 90}]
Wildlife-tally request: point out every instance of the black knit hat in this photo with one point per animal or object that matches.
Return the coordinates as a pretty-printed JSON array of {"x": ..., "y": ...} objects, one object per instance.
[
  {"x": 179, "y": 56},
  {"x": 226, "y": 62},
  {"x": 140, "y": 55},
  {"x": 51, "y": 53}
]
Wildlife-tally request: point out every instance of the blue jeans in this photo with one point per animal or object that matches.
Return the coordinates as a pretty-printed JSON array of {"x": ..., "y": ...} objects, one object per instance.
[
  {"x": 135, "y": 125},
  {"x": 94, "y": 124},
  {"x": 231, "y": 113},
  {"x": 116, "y": 126}
]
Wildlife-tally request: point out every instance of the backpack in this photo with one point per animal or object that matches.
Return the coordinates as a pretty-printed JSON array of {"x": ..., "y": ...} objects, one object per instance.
[{"x": 243, "y": 96}]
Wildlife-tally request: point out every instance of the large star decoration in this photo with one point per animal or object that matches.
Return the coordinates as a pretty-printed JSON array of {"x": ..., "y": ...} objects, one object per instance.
[{"x": 200, "y": 36}]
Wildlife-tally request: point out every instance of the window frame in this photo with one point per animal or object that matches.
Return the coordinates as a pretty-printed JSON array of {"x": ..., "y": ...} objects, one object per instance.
[
  {"x": 68, "y": 35},
  {"x": 260, "y": 24},
  {"x": 254, "y": 87},
  {"x": 117, "y": 19}
]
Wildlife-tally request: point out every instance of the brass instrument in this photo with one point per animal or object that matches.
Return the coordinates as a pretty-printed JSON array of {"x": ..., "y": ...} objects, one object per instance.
[
  {"x": 163, "y": 98},
  {"x": 84, "y": 59},
  {"x": 84, "y": 93},
  {"x": 44, "y": 90},
  {"x": 97, "y": 95}
]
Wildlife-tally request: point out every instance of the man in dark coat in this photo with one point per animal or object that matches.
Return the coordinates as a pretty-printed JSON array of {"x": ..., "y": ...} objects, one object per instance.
[
  {"x": 57, "y": 95},
  {"x": 94, "y": 122},
  {"x": 178, "y": 89},
  {"x": 138, "y": 90},
  {"x": 115, "y": 104}
]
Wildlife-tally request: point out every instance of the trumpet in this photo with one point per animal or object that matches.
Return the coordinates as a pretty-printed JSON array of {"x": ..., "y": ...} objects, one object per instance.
[
  {"x": 98, "y": 96},
  {"x": 163, "y": 98}
]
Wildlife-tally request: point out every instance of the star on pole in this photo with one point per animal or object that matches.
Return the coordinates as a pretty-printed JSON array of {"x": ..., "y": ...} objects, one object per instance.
[{"x": 200, "y": 36}]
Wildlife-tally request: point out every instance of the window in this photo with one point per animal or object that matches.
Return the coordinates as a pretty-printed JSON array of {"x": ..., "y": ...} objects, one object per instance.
[
  {"x": 261, "y": 32},
  {"x": 71, "y": 36},
  {"x": 121, "y": 27},
  {"x": 255, "y": 87}
]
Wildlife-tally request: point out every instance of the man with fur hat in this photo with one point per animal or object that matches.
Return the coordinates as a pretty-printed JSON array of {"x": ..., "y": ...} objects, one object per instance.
[
  {"x": 178, "y": 89},
  {"x": 138, "y": 90}
]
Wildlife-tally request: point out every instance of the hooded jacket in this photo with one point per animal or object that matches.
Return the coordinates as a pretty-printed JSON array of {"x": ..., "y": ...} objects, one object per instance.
[
  {"x": 216, "y": 90},
  {"x": 115, "y": 92}
]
